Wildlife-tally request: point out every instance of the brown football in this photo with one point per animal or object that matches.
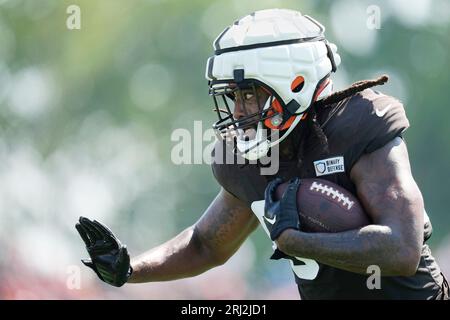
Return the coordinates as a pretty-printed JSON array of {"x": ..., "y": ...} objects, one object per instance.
[{"x": 324, "y": 206}]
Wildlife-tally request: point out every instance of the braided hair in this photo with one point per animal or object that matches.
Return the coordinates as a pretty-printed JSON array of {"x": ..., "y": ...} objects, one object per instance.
[
  {"x": 313, "y": 133},
  {"x": 354, "y": 88}
]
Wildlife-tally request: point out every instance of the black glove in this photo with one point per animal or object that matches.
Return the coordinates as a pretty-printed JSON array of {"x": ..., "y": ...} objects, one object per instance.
[
  {"x": 283, "y": 214},
  {"x": 109, "y": 258}
]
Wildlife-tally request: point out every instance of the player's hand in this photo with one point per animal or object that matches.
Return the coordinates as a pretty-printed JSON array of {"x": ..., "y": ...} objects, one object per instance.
[
  {"x": 109, "y": 258},
  {"x": 282, "y": 214}
]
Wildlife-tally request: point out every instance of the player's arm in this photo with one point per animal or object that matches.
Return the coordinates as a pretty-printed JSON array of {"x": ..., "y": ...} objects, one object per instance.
[
  {"x": 391, "y": 197},
  {"x": 210, "y": 242}
]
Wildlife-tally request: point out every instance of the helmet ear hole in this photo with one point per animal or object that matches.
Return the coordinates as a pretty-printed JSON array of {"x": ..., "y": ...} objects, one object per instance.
[{"x": 297, "y": 84}]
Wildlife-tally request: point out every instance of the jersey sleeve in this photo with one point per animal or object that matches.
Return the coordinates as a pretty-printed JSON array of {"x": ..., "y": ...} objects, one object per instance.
[
  {"x": 242, "y": 181},
  {"x": 389, "y": 121},
  {"x": 218, "y": 166},
  {"x": 368, "y": 122},
  {"x": 220, "y": 169}
]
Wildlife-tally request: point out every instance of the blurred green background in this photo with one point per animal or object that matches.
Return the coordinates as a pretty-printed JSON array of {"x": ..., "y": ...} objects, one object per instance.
[{"x": 86, "y": 118}]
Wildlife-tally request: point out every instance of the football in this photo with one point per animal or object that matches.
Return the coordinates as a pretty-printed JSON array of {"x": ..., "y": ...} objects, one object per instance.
[{"x": 324, "y": 206}]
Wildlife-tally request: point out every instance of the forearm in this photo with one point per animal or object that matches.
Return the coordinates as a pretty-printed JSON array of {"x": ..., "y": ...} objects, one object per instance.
[
  {"x": 180, "y": 257},
  {"x": 353, "y": 250}
]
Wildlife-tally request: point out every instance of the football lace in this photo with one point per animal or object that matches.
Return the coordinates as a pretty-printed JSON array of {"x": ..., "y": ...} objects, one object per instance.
[{"x": 330, "y": 192}]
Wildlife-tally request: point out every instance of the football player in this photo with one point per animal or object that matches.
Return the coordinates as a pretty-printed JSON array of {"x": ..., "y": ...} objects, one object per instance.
[{"x": 270, "y": 81}]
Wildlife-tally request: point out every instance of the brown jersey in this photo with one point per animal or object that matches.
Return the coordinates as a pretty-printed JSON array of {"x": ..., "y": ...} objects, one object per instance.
[{"x": 357, "y": 125}]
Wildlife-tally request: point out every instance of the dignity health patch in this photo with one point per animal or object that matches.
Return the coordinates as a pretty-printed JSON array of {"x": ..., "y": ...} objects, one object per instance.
[{"x": 329, "y": 166}]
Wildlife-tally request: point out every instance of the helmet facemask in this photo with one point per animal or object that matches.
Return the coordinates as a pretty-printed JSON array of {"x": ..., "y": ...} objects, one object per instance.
[{"x": 258, "y": 120}]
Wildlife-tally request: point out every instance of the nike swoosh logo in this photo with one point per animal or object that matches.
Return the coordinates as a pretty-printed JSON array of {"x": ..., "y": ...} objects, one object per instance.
[
  {"x": 271, "y": 221},
  {"x": 382, "y": 112}
]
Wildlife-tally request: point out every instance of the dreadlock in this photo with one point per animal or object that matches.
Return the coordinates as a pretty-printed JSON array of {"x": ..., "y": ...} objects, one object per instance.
[
  {"x": 314, "y": 133},
  {"x": 354, "y": 88}
]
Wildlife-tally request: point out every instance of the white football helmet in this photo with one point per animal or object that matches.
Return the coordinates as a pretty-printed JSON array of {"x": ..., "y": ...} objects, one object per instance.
[{"x": 286, "y": 54}]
